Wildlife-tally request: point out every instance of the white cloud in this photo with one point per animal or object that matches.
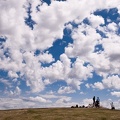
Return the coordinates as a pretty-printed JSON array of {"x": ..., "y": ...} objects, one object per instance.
[
  {"x": 115, "y": 93},
  {"x": 32, "y": 102},
  {"x": 107, "y": 103},
  {"x": 38, "y": 99},
  {"x": 46, "y": 58},
  {"x": 54, "y": 72},
  {"x": 112, "y": 26},
  {"x": 53, "y": 96},
  {"x": 49, "y": 26},
  {"x": 96, "y": 20},
  {"x": 50, "y": 96},
  {"x": 98, "y": 85},
  {"x": 6, "y": 82},
  {"x": 83, "y": 44},
  {"x": 15, "y": 103},
  {"x": 16, "y": 92},
  {"x": 82, "y": 93},
  {"x": 63, "y": 90},
  {"x": 109, "y": 20},
  {"x": 114, "y": 44},
  {"x": 66, "y": 65},
  {"x": 74, "y": 83},
  {"x": 81, "y": 72},
  {"x": 22, "y": 42},
  {"x": 12, "y": 74},
  {"x": 63, "y": 100},
  {"x": 112, "y": 82},
  {"x": 87, "y": 85},
  {"x": 87, "y": 101}
]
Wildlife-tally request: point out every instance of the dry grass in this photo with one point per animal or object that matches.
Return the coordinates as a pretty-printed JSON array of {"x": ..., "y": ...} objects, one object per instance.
[{"x": 60, "y": 114}]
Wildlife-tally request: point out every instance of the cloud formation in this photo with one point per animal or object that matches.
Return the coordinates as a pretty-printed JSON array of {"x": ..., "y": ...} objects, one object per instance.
[{"x": 24, "y": 50}]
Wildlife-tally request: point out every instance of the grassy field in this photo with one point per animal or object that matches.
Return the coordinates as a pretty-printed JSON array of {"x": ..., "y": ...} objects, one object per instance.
[{"x": 60, "y": 114}]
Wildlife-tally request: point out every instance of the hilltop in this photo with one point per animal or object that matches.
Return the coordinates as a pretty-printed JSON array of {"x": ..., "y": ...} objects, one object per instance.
[{"x": 60, "y": 114}]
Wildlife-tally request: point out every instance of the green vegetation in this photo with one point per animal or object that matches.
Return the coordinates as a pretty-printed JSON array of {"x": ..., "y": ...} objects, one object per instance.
[{"x": 60, "y": 114}]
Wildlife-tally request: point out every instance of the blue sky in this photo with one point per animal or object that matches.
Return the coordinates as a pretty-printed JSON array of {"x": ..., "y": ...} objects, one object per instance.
[{"x": 59, "y": 53}]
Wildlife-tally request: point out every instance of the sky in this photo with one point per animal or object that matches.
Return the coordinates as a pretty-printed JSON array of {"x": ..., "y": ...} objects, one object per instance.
[{"x": 59, "y": 53}]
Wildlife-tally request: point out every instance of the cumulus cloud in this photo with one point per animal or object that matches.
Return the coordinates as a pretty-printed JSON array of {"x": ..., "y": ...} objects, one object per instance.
[
  {"x": 63, "y": 90},
  {"x": 83, "y": 44},
  {"x": 17, "y": 52},
  {"x": 86, "y": 101},
  {"x": 111, "y": 82},
  {"x": 80, "y": 71},
  {"x": 96, "y": 20},
  {"x": 98, "y": 85},
  {"x": 46, "y": 58},
  {"x": 13, "y": 103},
  {"x": 112, "y": 26},
  {"x": 12, "y": 74},
  {"x": 115, "y": 93},
  {"x": 38, "y": 99},
  {"x": 25, "y": 43},
  {"x": 16, "y": 92},
  {"x": 23, "y": 102},
  {"x": 63, "y": 100}
]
